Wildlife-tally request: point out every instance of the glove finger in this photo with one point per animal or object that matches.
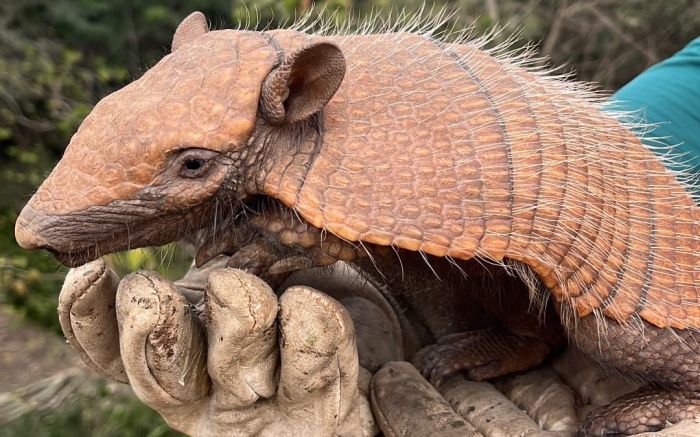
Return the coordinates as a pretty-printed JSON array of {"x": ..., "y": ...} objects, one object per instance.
[
  {"x": 241, "y": 312},
  {"x": 404, "y": 403},
  {"x": 319, "y": 368},
  {"x": 486, "y": 408},
  {"x": 162, "y": 344},
  {"x": 88, "y": 319}
]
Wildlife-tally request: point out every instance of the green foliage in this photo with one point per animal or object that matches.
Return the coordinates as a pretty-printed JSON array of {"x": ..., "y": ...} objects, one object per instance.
[
  {"x": 29, "y": 281},
  {"x": 172, "y": 261}
]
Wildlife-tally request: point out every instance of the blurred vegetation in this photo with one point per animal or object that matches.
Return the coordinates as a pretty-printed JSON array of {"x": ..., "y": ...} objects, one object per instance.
[
  {"x": 104, "y": 412},
  {"x": 59, "y": 57}
]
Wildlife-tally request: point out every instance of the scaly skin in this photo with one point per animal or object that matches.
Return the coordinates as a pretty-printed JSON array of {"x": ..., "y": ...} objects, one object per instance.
[{"x": 395, "y": 141}]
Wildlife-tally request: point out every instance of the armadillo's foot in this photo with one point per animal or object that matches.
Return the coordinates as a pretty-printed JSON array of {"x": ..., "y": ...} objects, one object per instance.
[
  {"x": 274, "y": 262},
  {"x": 647, "y": 409},
  {"x": 270, "y": 261},
  {"x": 480, "y": 354}
]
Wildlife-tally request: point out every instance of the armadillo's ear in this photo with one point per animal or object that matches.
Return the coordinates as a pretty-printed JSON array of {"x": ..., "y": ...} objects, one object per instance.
[
  {"x": 302, "y": 85},
  {"x": 191, "y": 27}
]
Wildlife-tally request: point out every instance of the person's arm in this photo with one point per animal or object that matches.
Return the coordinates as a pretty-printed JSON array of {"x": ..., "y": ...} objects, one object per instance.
[{"x": 667, "y": 95}]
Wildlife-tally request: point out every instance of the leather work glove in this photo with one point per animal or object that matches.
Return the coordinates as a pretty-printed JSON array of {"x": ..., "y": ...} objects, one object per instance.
[{"x": 248, "y": 365}]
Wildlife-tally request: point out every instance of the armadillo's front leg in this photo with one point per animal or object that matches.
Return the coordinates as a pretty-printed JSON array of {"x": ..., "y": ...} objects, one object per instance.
[
  {"x": 274, "y": 243},
  {"x": 480, "y": 354}
]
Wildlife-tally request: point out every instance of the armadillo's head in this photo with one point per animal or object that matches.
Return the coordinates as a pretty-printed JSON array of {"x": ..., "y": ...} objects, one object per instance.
[{"x": 154, "y": 160}]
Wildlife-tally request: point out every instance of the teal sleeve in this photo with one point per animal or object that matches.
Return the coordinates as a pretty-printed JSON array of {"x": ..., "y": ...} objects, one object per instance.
[{"x": 668, "y": 95}]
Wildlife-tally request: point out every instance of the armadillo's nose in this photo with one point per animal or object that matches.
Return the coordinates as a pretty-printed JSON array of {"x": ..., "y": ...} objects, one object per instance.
[{"x": 26, "y": 233}]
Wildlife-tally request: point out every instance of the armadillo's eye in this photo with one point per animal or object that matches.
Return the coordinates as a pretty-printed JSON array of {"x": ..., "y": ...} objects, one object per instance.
[
  {"x": 195, "y": 163},
  {"x": 193, "y": 167}
]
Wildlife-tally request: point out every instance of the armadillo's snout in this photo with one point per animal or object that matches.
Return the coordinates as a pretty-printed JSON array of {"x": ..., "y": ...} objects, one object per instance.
[
  {"x": 62, "y": 235},
  {"x": 26, "y": 232}
]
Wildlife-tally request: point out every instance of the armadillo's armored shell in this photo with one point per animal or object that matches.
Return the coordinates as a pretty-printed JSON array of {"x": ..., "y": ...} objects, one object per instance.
[{"x": 447, "y": 150}]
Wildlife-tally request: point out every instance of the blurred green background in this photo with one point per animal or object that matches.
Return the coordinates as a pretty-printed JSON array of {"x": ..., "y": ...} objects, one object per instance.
[{"x": 59, "y": 57}]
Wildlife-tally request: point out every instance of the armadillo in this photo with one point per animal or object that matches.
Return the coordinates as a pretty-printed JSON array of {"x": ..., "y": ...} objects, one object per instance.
[{"x": 399, "y": 142}]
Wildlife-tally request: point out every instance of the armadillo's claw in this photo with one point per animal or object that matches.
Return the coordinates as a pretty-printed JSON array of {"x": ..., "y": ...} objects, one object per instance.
[
  {"x": 270, "y": 261},
  {"x": 255, "y": 257},
  {"x": 291, "y": 264},
  {"x": 225, "y": 239}
]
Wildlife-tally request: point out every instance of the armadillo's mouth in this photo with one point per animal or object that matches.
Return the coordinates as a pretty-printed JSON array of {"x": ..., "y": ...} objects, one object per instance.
[
  {"x": 80, "y": 247},
  {"x": 78, "y": 238},
  {"x": 119, "y": 241}
]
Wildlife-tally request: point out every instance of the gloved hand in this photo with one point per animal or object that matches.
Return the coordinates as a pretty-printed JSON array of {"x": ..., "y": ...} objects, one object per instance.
[{"x": 255, "y": 366}]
